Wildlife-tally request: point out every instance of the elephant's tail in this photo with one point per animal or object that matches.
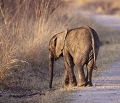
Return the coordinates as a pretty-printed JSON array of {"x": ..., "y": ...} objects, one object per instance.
[
  {"x": 93, "y": 47},
  {"x": 94, "y": 53}
]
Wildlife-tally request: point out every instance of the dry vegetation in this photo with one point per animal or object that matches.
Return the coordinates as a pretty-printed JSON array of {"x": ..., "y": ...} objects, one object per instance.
[{"x": 25, "y": 29}]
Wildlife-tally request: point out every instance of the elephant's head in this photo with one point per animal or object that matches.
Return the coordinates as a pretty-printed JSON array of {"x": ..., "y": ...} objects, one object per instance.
[{"x": 56, "y": 46}]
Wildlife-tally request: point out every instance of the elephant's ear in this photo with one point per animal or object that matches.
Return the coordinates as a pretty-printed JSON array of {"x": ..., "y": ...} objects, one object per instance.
[{"x": 60, "y": 43}]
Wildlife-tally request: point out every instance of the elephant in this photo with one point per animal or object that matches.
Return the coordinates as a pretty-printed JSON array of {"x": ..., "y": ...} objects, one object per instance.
[{"x": 78, "y": 47}]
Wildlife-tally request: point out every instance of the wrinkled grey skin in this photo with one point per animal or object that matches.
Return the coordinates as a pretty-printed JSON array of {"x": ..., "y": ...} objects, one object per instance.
[{"x": 79, "y": 47}]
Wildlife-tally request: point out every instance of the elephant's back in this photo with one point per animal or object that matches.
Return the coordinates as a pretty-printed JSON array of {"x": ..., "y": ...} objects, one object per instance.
[
  {"x": 79, "y": 36},
  {"x": 79, "y": 40}
]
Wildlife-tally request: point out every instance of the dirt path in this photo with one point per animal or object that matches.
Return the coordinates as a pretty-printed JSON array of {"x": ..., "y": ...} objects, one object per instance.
[
  {"x": 106, "y": 89},
  {"x": 106, "y": 20}
]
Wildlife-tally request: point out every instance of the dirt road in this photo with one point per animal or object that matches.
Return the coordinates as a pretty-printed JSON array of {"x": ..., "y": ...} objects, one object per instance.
[
  {"x": 106, "y": 20},
  {"x": 106, "y": 89}
]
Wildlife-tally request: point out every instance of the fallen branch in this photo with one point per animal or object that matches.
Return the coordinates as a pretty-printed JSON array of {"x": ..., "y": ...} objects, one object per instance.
[{"x": 3, "y": 94}]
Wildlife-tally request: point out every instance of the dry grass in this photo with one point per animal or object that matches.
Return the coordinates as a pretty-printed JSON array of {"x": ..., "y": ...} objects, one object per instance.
[{"x": 25, "y": 29}]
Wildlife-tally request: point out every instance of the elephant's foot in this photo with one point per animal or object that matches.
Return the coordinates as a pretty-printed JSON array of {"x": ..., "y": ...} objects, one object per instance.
[
  {"x": 73, "y": 84},
  {"x": 70, "y": 85},
  {"x": 89, "y": 84},
  {"x": 66, "y": 81},
  {"x": 82, "y": 84},
  {"x": 65, "y": 84}
]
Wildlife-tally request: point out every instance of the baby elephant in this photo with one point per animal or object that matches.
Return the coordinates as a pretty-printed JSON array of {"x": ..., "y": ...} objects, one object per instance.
[{"x": 79, "y": 47}]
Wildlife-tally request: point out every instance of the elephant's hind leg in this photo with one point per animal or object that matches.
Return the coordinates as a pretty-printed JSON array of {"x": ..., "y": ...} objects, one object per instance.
[
  {"x": 82, "y": 81},
  {"x": 69, "y": 79},
  {"x": 89, "y": 72},
  {"x": 66, "y": 79}
]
